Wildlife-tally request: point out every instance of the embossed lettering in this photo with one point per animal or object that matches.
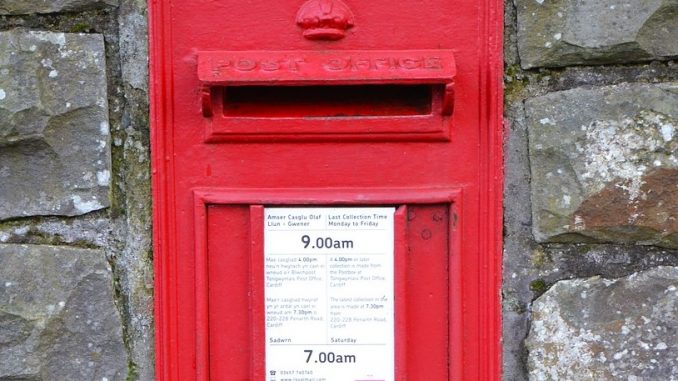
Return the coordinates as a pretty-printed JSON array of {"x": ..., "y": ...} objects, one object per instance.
[
  {"x": 384, "y": 64},
  {"x": 433, "y": 63},
  {"x": 218, "y": 67},
  {"x": 362, "y": 64},
  {"x": 295, "y": 63},
  {"x": 337, "y": 64},
  {"x": 270, "y": 65},
  {"x": 245, "y": 64},
  {"x": 410, "y": 63}
]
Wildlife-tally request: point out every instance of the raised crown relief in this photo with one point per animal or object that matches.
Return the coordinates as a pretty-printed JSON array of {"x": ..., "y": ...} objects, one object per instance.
[{"x": 325, "y": 19}]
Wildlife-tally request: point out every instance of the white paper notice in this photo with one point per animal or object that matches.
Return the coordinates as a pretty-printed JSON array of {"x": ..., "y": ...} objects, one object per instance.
[{"x": 329, "y": 278}]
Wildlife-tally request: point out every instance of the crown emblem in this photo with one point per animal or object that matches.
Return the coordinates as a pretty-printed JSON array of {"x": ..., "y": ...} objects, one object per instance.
[{"x": 325, "y": 19}]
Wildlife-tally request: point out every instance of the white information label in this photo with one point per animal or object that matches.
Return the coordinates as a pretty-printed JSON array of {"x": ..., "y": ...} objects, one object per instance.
[{"x": 329, "y": 296}]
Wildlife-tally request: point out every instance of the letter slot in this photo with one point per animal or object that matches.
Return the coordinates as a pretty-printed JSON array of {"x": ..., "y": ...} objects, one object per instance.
[{"x": 393, "y": 95}]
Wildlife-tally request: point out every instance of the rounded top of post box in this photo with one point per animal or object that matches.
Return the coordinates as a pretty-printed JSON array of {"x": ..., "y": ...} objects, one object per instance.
[{"x": 325, "y": 19}]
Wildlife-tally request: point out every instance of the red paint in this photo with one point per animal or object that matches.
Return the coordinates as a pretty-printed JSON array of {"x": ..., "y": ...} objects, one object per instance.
[
  {"x": 325, "y": 19},
  {"x": 404, "y": 110},
  {"x": 317, "y": 95},
  {"x": 309, "y": 67}
]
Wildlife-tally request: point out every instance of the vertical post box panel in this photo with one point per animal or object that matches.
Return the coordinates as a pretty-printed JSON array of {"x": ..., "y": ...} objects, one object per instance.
[
  {"x": 427, "y": 293},
  {"x": 229, "y": 318},
  {"x": 326, "y": 103}
]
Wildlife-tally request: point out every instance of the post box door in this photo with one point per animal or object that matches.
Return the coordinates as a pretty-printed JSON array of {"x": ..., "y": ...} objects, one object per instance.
[
  {"x": 235, "y": 319},
  {"x": 323, "y": 104}
]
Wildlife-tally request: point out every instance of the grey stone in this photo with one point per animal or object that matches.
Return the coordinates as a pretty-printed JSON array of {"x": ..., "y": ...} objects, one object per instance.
[
  {"x": 58, "y": 319},
  {"x": 22, "y": 7},
  {"x": 134, "y": 43},
  {"x": 135, "y": 261},
  {"x": 597, "y": 329},
  {"x": 564, "y": 261},
  {"x": 572, "y": 32},
  {"x": 54, "y": 132},
  {"x": 516, "y": 294},
  {"x": 604, "y": 164},
  {"x": 90, "y": 231}
]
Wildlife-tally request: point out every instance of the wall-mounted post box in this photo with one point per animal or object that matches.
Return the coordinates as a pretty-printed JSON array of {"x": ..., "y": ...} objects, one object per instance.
[{"x": 327, "y": 189}]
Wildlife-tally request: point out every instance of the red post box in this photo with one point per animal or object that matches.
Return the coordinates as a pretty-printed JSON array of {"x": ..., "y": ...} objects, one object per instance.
[{"x": 327, "y": 183}]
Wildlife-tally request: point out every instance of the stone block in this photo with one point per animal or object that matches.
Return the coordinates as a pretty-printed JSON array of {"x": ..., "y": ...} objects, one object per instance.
[
  {"x": 598, "y": 329},
  {"x": 570, "y": 32},
  {"x": 604, "y": 164},
  {"x": 24, "y": 7},
  {"x": 58, "y": 319},
  {"x": 54, "y": 132}
]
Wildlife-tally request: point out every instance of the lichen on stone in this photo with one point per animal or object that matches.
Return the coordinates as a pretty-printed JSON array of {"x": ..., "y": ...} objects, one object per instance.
[
  {"x": 605, "y": 172},
  {"x": 599, "y": 329}
]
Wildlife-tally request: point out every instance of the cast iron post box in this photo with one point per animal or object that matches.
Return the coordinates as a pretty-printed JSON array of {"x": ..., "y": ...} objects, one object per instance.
[{"x": 327, "y": 184}]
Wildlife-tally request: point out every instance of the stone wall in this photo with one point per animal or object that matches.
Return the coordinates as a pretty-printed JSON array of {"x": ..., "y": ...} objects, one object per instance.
[
  {"x": 75, "y": 243},
  {"x": 591, "y": 267}
]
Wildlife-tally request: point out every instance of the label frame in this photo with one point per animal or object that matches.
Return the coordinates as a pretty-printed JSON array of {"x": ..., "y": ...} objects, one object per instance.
[{"x": 257, "y": 299}]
